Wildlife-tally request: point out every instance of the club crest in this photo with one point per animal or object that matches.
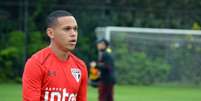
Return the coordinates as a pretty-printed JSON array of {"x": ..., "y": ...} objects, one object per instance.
[{"x": 76, "y": 74}]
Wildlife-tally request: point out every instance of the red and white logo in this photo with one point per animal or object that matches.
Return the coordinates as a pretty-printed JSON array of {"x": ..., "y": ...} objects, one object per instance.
[{"x": 76, "y": 74}]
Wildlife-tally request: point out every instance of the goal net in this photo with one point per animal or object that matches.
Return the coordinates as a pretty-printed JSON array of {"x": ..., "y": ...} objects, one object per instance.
[{"x": 152, "y": 55}]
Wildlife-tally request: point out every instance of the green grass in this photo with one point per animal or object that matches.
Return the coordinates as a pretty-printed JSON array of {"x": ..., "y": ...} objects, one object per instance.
[
  {"x": 12, "y": 92},
  {"x": 152, "y": 93}
]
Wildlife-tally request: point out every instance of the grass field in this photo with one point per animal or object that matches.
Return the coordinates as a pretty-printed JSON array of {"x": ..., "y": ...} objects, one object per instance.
[{"x": 12, "y": 92}]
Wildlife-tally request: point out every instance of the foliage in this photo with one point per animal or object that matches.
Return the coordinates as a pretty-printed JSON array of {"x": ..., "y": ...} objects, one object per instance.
[
  {"x": 12, "y": 56},
  {"x": 138, "y": 13},
  {"x": 136, "y": 67},
  {"x": 6, "y": 57},
  {"x": 36, "y": 42},
  {"x": 185, "y": 61}
]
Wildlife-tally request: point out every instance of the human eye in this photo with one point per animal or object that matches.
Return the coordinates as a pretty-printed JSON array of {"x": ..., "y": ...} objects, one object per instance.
[
  {"x": 67, "y": 28},
  {"x": 75, "y": 28}
]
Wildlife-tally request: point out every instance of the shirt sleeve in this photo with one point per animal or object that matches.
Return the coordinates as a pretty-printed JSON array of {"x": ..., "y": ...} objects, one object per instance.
[
  {"x": 82, "y": 93},
  {"x": 31, "y": 81}
]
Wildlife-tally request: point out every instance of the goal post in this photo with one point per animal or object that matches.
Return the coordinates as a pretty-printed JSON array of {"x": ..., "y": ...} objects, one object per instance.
[
  {"x": 105, "y": 32},
  {"x": 149, "y": 55}
]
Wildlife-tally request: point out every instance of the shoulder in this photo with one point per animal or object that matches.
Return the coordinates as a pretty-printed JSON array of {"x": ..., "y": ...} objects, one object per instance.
[
  {"x": 40, "y": 57},
  {"x": 106, "y": 54},
  {"x": 78, "y": 61},
  {"x": 34, "y": 64}
]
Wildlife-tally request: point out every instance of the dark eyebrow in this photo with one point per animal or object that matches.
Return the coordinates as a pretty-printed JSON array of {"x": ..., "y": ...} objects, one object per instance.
[{"x": 73, "y": 27}]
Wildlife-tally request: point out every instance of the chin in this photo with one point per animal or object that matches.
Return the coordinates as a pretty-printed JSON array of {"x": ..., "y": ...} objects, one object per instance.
[
  {"x": 67, "y": 49},
  {"x": 71, "y": 48}
]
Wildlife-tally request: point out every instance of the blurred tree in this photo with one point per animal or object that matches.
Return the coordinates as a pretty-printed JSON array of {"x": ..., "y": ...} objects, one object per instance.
[
  {"x": 135, "y": 67},
  {"x": 11, "y": 56},
  {"x": 91, "y": 14}
]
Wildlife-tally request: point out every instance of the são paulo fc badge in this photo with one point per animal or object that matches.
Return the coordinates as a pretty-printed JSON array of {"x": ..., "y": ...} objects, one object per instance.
[{"x": 76, "y": 73}]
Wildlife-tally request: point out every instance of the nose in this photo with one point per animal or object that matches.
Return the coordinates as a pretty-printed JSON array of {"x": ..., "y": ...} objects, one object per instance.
[{"x": 73, "y": 33}]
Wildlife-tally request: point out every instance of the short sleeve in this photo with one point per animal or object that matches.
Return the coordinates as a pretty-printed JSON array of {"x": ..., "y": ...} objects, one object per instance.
[{"x": 31, "y": 81}]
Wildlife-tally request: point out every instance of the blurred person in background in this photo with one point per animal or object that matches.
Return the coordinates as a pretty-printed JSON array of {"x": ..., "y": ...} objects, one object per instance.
[
  {"x": 55, "y": 73},
  {"x": 105, "y": 64}
]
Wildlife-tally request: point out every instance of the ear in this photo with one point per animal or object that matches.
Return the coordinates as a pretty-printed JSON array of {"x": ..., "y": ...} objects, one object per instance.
[{"x": 50, "y": 33}]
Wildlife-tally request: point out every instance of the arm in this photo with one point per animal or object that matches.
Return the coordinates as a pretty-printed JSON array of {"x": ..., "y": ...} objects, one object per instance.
[
  {"x": 31, "y": 81},
  {"x": 82, "y": 93}
]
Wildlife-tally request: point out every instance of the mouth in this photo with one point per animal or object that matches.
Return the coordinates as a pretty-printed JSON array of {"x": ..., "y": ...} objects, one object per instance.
[{"x": 73, "y": 41}]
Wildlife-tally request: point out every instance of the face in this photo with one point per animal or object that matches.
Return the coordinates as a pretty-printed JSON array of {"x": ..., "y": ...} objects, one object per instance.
[
  {"x": 64, "y": 33},
  {"x": 101, "y": 46}
]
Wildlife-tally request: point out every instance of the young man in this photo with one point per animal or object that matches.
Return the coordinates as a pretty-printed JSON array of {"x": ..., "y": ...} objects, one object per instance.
[
  {"x": 54, "y": 73},
  {"x": 107, "y": 77}
]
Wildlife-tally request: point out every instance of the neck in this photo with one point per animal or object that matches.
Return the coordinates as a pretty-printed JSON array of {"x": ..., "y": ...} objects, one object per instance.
[{"x": 62, "y": 55}]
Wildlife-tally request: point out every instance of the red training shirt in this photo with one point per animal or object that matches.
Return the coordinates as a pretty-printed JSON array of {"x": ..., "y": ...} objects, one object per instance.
[{"x": 46, "y": 78}]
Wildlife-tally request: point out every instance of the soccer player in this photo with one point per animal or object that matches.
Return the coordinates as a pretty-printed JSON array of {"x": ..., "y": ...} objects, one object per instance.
[{"x": 55, "y": 73}]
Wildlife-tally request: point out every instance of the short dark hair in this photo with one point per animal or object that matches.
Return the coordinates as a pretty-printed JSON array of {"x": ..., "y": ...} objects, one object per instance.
[
  {"x": 104, "y": 41},
  {"x": 52, "y": 17}
]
